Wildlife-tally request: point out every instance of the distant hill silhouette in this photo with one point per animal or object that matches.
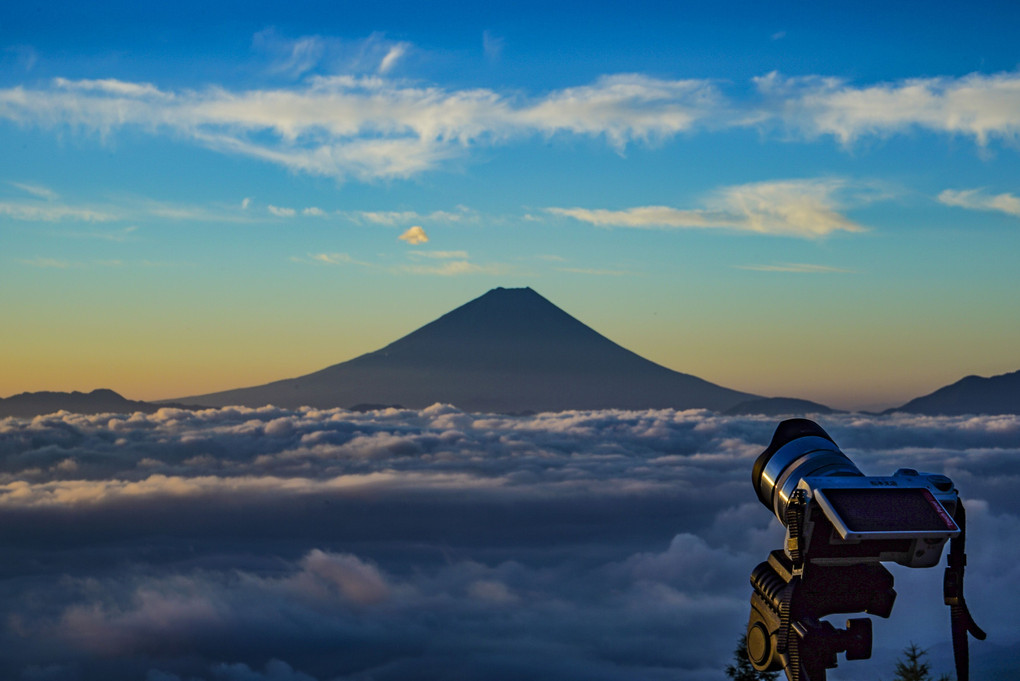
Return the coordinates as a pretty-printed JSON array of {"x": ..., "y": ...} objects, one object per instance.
[
  {"x": 779, "y": 406},
  {"x": 99, "y": 401},
  {"x": 508, "y": 351},
  {"x": 970, "y": 395}
]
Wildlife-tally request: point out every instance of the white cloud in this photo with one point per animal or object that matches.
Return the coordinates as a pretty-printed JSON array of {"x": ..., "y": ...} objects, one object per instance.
[
  {"x": 414, "y": 235},
  {"x": 394, "y": 55},
  {"x": 453, "y": 268},
  {"x": 369, "y": 126},
  {"x": 282, "y": 212},
  {"x": 37, "y": 191},
  {"x": 332, "y": 258},
  {"x": 403, "y": 217},
  {"x": 795, "y": 267},
  {"x": 245, "y": 202},
  {"x": 365, "y": 127},
  {"x": 314, "y": 212},
  {"x": 49, "y": 211},
  {"x": 802, "y": 208},
  {"x": 441, "y": 255},
  {"x": 297, "y": 57},
  {"x": 388, "y": 218},
  {"x": 979, "y": 105},
  {"x": 625, "y": 108},
  {"x": 977, "y": 199},
  {"x": 304, "y": 55}
]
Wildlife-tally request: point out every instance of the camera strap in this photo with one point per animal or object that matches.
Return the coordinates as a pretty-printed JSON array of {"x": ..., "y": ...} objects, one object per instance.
[{"x": 952, "y": 591}]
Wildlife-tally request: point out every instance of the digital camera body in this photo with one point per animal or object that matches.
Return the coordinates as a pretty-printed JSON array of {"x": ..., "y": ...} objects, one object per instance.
[
  {"x": 850, "y": 517},
  {"x": 904, "y": 518}
]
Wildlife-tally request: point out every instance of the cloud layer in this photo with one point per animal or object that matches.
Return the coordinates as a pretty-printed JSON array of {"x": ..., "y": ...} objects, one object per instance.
[{"x": 273, "y": 544}]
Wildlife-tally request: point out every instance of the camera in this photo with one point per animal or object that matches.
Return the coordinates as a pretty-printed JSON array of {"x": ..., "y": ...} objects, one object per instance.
[
  {"x": 850, "y": 517},
  {"x": 840, "y": 526}
]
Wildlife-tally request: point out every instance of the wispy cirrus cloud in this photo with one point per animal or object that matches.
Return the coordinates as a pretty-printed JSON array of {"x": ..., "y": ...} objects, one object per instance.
[
  {"x": 795, "y": 267},
  {"x": 393, "y": 218},
  {"x": 58, "y": 263},
  {"x": 441, "y": 255},
  {"x": 456, "y": 267},
  {"x": 492, "y": 45},
  {"x": 297, "y": 56},
  {"x": 36, "y": 190},
  {"x": 332, "y": 259},
  {"x": 978, "y": 199},
  {"x": 365, "y": 126},
  {"x": 982, "y": 106},
  {"x": 46, "y": 205},
  {"x": 800, "y": 208},
  {"x": 114, "y": 235},
  {"x": 53, "y": 212}
]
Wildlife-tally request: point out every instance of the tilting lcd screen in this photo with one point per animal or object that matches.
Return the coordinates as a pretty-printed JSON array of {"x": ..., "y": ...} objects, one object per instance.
[{"x": 889, "y": 510}]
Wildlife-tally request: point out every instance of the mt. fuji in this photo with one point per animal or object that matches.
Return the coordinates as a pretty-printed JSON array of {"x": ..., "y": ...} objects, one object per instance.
[{"x": 508, "y": 351}]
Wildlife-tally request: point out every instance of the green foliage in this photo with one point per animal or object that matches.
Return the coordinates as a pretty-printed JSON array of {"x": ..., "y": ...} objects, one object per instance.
[{"x": 741, "y": 669}]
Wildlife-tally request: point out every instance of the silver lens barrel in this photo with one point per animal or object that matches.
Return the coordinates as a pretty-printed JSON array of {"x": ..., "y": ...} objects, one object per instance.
[{"x": 799, "y": 449}]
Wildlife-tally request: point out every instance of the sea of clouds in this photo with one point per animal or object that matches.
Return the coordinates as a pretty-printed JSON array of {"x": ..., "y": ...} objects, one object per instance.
[{"x": 268, "y": 544}]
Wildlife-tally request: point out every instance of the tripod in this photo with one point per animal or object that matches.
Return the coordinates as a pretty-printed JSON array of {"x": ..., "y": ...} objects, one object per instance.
[{"x": 785, "y": 629}]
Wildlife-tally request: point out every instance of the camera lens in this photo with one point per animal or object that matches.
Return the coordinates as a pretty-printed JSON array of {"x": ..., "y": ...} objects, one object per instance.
[{"x": 799, "y": 448}]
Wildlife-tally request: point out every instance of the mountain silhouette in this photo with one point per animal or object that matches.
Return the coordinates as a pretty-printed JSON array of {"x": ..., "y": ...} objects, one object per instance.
[
  {"x": 508, "y": 351},
  {"x": 970, "y": 395},
  {"x": 779, "y": 406},
  {"x": 100, "y": 401}
]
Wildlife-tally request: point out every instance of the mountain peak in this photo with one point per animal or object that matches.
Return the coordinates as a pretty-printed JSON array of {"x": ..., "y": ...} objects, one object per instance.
[
  {"x": 970, "y": 395},
  {"x": 509, "y": 350}
]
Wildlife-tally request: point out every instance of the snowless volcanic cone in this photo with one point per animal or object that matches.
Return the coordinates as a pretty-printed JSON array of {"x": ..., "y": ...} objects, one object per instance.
[{"x": 508, "y": 351}]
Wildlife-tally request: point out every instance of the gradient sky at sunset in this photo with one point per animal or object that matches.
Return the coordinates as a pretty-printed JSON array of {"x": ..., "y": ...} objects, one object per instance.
[{"x": 782, "y": 198}]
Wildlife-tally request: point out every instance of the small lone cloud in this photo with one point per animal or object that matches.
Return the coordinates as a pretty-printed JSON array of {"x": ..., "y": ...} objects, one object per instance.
[
  {"x": 37, "y": 191},
  {"x": 282, "y": 212},
  {"x": 977, "y": 199},
  {"x": 245, "y": 203},
  {"x": 332, "y": 258},
  {"x": 392, "y": 57},
  {"x": 414, "y": 236}
]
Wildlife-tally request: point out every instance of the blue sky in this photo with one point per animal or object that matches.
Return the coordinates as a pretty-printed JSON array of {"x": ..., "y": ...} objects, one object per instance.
[{"x": 783, "y": 199}]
